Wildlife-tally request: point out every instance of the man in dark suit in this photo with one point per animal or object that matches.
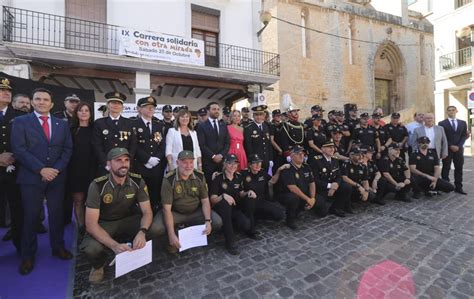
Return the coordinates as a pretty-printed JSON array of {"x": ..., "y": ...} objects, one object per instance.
[
  {"x": 42, "y": 145},
  {"x": 257, "y": 137},
  {"x": 150, "y": 148},
  {"x": 113, "y": 131},
  {"x": 456, "y": 133},
  {"x": 8, "y": 168},
  {"x": 213, "y": 141}
]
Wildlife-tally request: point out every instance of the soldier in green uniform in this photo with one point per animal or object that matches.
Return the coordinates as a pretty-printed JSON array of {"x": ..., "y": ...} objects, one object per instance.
[
  {"x": 117, "y": 206},
  {"x": 185, "y": 201}
]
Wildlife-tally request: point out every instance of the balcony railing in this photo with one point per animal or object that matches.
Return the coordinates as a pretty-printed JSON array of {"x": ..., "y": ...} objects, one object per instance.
[
  {"x": 37, "y": 28},
  {"x": 460, "y": 3},
  {"x": 456, "y": 59}
]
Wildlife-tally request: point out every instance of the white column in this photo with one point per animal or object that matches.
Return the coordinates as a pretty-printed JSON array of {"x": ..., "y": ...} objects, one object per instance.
[{"x": 142, "y": 85}]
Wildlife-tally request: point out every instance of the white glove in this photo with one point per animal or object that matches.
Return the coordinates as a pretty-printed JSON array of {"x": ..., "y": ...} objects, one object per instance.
[
  {"x": 148, "y": 165},
  {"x": 270, "y": 164},
  {"x": 153, "y": 161},
  {"x": 288, "y": 159},
  {"x": 107, "y": 168},
  {"x": 10, "y": 169}
]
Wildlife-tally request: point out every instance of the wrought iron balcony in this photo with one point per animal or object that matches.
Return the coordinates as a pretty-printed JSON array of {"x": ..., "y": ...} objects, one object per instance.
[
  {"x": 456, "y": 59},
  {"x": 37, "y": 28}
]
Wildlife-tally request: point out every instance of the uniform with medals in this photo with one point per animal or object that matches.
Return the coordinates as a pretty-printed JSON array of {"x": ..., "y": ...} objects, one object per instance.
[
  {"x": 326, "y": 172},
  {"x": 426, "y": 164},
  {"x": 257, "y": 139},
  {"x": 111, "y": 133},
  {"x": 396, "y": 168},
  {"x": 119, "y": 211},
  {"x": 150, "y": 151},
  {"x": 8, "y": 175},
  {"x": 220, "y": 185},
  {"x": 261, "y": 206}
]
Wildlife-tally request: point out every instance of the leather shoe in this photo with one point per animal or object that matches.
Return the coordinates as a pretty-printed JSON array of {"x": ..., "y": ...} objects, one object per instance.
[
  {"x": 338, "y": 213},
  {"x": 416, "y": 195},
  {"x": 232, "y": 249},
  {"x": 96, "y": 275},
  {"x": 254, "y": 236},
  {"x": 291, "y": 225},
  {"x": 62, "y": 254},
  {"x": 7, "y": 236},
  {"x": 460, "y": 191},
  {"x": 26, "y": 266},
  {"x": 40, "y": 229}
]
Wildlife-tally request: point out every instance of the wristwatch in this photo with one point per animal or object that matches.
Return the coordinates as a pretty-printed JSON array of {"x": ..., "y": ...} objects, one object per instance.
[
  {"x": 208, "y": 220},
  {"x": 144, "y": 230}
]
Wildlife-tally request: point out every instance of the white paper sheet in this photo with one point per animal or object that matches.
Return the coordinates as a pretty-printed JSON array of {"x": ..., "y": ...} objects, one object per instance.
[
  {"x": 130, "y": 260},
  {"x": 192, "y": 237}
]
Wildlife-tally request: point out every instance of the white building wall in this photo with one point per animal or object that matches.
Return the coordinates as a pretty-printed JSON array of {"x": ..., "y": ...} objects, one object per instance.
[{"x": 55, "y": 7}]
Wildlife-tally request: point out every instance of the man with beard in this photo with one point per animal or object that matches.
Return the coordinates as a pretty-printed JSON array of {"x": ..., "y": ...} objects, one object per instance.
[
  {"x": 426, "y": 171},
  {"x": 292, "y": 132},
  {"x": 117, "y": 206},
  {"x": 245, "y": 117},
  {"x": 21, "y": 102}
]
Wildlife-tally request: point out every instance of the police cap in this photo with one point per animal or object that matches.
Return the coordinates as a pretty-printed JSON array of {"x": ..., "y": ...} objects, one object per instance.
[
  {"x": 276, "y": 112},
  {"x": 147, "y": 101},
  {"x": 5, "y": 83},
  {"x": 202, "y": 112},
  {"x": 297, "y": 149},
  {"x": 393, "y": 146},
  {"x": 167, "y": 108},
  {"x": 317, "y": 108},
  {"x": 115, "y": 96},
  {"x": 259, "y": 108},
  {"x": 328, "y": 142},
  {"x": 424, "y": 139},
  {"x": 364, "y": 115},
  {"x": 395, "y": 115},
  {"x": 72, "y": 97},
  {"x": 117, "y": 152},
  {"x": 230, "y": 158},
  {"x": 255, "y": 159},
  {"x": 245, "y": 109}
]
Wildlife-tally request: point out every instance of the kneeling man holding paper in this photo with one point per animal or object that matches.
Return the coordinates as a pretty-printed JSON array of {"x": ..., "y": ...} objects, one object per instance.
[
  {"x": 185, "y": 200},
  {"x": 117, "y": 208}
]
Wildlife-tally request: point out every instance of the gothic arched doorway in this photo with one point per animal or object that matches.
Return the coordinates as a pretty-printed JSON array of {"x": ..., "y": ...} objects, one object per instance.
[{"x": 389, "y": 69}]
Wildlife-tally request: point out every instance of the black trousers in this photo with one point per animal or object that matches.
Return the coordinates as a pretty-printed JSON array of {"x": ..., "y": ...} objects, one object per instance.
[
  {"x": 261, "y": 208},
  {"x": 422, "y": 184},
  {"x": 12, "y": 193},
  {"x": 356, "y": 196},
  {"x": 230, "y": 215},
  {"x": 458, "y": 159},
  {"x": 341, "y": 199},
  {"x": 209, "y": 167},
  {"x": 399, "y": 194},
  {"x": 293, "y": 205}
]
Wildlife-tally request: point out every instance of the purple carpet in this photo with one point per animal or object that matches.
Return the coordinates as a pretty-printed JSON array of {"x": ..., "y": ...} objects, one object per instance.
[{"x": 51, "y": 277}]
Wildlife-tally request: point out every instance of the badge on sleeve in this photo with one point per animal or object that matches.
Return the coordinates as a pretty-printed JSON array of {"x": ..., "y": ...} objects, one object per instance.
[{"x": 108, "y": 198}]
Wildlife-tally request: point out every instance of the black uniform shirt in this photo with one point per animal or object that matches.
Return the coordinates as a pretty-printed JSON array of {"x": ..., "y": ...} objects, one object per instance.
[
  {"x": 221, "y": 184},
  {"x": 372, "y": 170},
  {"x": 395, "y": 168},
  {"x": 382, "y": 134},
  {"x": 301, "y": 177},
  {"x": 365, "y": 135},
  {"x": 356, "y": 172},
  {"x": 256, "y": 182},
  {"x": 317, "y": 135},
  {"x": 397, "y": 133},
  {"x": 425, "y": 163}
]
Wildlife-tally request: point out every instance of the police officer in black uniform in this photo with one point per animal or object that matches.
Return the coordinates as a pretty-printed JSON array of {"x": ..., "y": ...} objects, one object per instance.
[
  {"x": 363, "y": 132},
  {"x": 316, "y": 137},
  {"x": 381, "y": 134},
  {"x": 329, "y": 182},
  {"x": 395, "y": 171},
  {"x": 398, "y": 133},
  {"x": 257, "y": 137},
  {"x": 355, "y": 174},
  {"x": 167, "y": 120},
  {"x": 426, "y": 170},
  {"x": 340, "y": 147},
  {"x": 296, "y": 188},
  {"x": 8, "y": 169},
  {"x": 376, "y": 182},
  {"x": 256, "y": 203},
  {"x": 113, "y": 131},
  {"x": 70, "y": 102},
  {"x": 275, "y": 138},
  {"x": 315, "y": 110},
  {"x": 225, "y": 115},
  {"x": 351, "y": 119},
  {"x": 202, "y": 117},
  {"x": 245, "y": 117},
  {"x": 150, "y": 148}
]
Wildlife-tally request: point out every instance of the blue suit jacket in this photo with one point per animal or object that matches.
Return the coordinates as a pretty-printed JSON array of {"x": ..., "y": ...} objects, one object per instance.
[
  {"x": 33, "y": 151},
  {"x": 457, "y": 137},
  {"x": 211, "y": 144}
]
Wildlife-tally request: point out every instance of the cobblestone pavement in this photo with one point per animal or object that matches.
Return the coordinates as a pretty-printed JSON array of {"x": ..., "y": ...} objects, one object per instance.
[{"x": 424, "y": 248}]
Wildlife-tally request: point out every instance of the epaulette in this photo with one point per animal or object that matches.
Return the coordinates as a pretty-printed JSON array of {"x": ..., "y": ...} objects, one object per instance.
[
  {"x": 135, "y": 175},
  {"x": 198, "y": 171},
  {"x": 100, "y": 179},
  {"x": 318, "y": 157},
  {"x": 169, "y": 174}
]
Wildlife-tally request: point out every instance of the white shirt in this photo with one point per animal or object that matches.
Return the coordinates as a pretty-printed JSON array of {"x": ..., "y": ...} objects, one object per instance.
[
  {"x": 412, "y": 126},
  {"x": 41, "y": 122},
  {"x": 116, "y": 118},
  {"x": 216, "y": 123},
  {"x": 455, "y": 123},
  {"x": 146, "y": 123},
  {"x": 431, "y": 135}
]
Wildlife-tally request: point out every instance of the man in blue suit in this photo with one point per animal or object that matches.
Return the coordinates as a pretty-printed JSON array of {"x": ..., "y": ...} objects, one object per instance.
[
  {"x": 456, "y": 133},
  {"x": 42, "y": 145},
  {"x": 214, "y": 141}
]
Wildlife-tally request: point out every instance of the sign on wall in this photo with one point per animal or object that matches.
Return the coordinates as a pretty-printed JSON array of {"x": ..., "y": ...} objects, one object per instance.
[
  {"x": 157, "y": 46},
  {"x": 470, "y": 99}
]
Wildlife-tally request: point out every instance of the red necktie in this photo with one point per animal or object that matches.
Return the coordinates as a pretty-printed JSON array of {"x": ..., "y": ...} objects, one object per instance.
[{"x": 45, "y": 126}]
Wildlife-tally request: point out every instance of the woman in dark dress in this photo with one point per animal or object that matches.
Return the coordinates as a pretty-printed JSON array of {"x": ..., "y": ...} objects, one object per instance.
[{"x": 82, "y": 164}]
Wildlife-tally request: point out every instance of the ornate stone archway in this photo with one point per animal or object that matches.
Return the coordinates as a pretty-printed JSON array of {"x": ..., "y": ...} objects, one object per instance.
[{"x": 389, "y": 78}]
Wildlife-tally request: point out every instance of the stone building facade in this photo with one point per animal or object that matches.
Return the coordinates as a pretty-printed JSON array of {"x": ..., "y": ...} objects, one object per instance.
[{"x": 368, "y": 57}]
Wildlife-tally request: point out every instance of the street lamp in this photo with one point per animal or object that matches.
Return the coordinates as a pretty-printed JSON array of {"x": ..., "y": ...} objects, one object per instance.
[{"x": 265, "y": 18}]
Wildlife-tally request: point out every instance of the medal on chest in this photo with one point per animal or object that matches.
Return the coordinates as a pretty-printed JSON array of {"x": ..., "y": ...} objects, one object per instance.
[{"x": 108, "y": 198}]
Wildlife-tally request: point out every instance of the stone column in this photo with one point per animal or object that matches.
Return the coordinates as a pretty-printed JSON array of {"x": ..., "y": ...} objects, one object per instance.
[{"x": 142, "y": 85}]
